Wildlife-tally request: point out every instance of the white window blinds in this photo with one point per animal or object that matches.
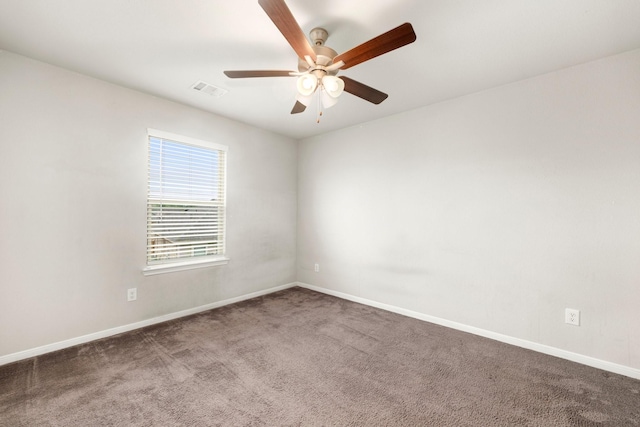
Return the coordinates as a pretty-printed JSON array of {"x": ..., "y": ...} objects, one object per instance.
[{"x": 186, "y": 198}]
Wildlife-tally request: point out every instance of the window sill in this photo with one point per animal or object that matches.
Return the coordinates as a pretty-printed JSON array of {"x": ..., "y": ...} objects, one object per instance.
[{"x": 184, "y": 265}]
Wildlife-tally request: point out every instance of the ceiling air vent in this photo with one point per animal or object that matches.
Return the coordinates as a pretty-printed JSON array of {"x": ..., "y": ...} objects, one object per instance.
[{"x": 209, "y": 89}]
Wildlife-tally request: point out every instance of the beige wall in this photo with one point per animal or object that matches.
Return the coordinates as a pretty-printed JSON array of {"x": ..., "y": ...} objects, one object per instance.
[
  {"x": 497, "y": 210},
  {"x": 73, "y": 201}
]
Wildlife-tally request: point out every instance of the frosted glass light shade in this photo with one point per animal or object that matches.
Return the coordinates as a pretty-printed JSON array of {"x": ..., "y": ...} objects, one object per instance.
[
  {"x": 304, "y": 99},
  {"x": 333, "y": 85},
  {"x": 307, "y": 84},
  {"x": 328, "y": 101}
]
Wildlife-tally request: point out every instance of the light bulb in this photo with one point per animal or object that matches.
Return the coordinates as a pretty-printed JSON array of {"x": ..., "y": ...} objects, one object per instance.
[
  {"x": 330, "y": 85},
  {"x": 333, "y": 85},
  {"x": 307, "y": 84}
]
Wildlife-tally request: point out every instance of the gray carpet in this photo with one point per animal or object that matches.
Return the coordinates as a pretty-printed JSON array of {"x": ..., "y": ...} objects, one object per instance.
[{"x": 298, "y": 357}]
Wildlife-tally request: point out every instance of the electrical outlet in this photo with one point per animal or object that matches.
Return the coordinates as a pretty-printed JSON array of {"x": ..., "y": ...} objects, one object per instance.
[
  {"x": 316, "y": 268},
  {"x": 132, "y": 294},
  {"x": 572, "y": 316}
]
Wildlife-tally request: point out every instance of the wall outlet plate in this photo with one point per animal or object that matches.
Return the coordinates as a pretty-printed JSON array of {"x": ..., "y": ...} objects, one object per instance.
[
  {"x": 572, "y": 316},
  {"x": 132, "y": 294}
]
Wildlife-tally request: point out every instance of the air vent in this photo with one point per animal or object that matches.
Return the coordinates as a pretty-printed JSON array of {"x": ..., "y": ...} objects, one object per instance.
[{"x": 209, "y": 89}]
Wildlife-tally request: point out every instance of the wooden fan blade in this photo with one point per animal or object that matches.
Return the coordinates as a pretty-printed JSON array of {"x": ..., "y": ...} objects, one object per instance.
[
  {"x": 391, "y": 40},
  {"x": 282, "y": 17},
  {"x": 363, "y": 91},
  {"x": 242, "y": 74},
  {"x": 298, "y": 108}
]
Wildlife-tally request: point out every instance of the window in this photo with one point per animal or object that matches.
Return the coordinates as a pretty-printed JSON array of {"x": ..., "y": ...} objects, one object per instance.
[{"x": 185, "y": 203}]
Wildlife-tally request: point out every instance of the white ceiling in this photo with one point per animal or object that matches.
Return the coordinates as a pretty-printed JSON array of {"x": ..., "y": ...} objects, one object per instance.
[{"x": 162, "y": 47}]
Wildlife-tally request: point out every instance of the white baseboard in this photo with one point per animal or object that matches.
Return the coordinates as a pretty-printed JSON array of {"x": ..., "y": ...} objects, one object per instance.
[
  {"x": 14, "y": 357},
  {"x": 541, "y": 348},
  {"x": 530, "y": 345}
]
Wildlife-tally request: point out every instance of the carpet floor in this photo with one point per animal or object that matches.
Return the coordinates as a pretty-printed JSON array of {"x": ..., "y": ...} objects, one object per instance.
[{"x": 298, "y": 357}]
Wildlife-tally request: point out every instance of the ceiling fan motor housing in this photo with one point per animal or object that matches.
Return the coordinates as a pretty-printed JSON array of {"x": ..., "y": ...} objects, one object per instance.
[
  {"x": 324, "y": 57},
  {"x": 324, "y": 54}
]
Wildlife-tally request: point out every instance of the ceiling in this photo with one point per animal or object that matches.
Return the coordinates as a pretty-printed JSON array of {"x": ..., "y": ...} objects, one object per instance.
[{"x": 162, "y": 47}]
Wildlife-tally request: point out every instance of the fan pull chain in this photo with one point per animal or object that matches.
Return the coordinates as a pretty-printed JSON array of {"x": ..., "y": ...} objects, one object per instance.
[
  {"x": 319, "y": 105},
  {"x": 319, "y": 92}
]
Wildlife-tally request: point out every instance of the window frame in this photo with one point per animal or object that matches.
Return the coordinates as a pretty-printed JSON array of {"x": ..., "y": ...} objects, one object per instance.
[{"x": 185, "y": 263}]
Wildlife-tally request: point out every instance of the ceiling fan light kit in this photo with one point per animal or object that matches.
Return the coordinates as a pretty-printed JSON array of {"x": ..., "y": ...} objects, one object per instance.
[{"x": 318, "y": 65}]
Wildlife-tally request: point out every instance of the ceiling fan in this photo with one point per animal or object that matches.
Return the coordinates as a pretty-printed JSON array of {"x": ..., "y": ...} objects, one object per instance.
[{"x": 318, "y": 64}]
